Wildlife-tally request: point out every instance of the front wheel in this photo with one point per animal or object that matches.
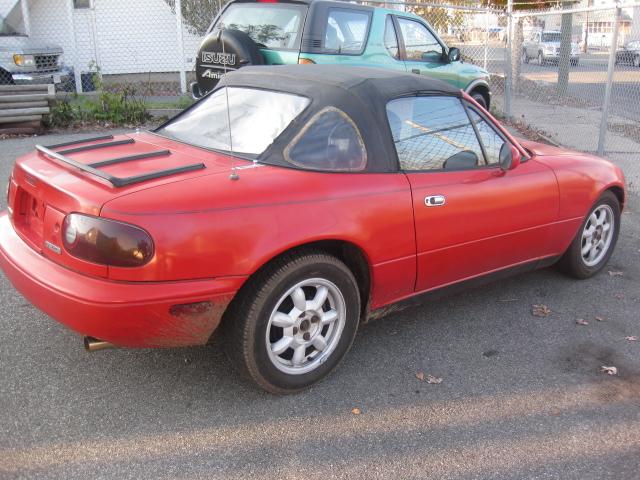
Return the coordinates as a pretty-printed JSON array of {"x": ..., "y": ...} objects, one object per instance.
[
  {"x": 478, "y": 97},
  {"x": 594, "y": 243},
  {"x": 294, "y": 322}
]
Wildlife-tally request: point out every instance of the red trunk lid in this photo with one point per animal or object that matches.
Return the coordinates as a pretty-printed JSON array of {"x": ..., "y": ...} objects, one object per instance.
[{"x": 43, "y": 190}]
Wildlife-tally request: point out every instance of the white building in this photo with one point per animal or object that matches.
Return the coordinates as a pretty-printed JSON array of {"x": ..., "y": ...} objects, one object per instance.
[{"x": 119, "y": 37}]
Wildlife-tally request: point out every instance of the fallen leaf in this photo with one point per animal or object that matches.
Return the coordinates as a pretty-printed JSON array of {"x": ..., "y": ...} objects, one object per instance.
[
  {"x": 619, "y": 296},
  {"x": 420, "y": 376},
  {"x": 433, "y": 380},
  {"x": 615, "y": 273},
  {"x": 633, "y": 338},
  {"x": 540, "y": 311},
  {"x": 582, "y": 321},
  {"x": 356, "y": 411},
  {"x": 600, "y": 319},
  {"x": 609, "y": 370}
]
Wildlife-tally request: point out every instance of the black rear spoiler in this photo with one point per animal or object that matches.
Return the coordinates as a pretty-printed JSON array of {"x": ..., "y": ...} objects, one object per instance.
[{"x": 113, "y": 180}]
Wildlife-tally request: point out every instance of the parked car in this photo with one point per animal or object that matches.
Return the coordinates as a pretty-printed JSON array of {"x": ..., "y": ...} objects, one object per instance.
[
  {"x": 545, "y": 46},
  {"x": 327, "y": 32},
  {"x": 24, "y": 60},
  {"x": 629, "y": 54},
  {"x": 288, "y": 206}
]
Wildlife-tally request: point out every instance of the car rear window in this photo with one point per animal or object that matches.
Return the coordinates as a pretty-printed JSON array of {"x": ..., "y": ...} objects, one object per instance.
[
  {"x": 346, "y": 31},
  {"x": 270, "y": 25},
  {"x": 253, "y": 120}
]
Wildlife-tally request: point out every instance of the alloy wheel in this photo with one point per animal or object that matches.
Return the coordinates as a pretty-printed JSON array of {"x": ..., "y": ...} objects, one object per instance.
[
  {"x": 305, "y": 326},
  {"x": 597, "y": 235}
]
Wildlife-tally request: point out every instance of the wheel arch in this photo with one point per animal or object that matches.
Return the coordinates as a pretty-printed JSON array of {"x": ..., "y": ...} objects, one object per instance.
[
  {"x": 618, "y": 191},
  {"x": 481, "y": 87},
  {"x": 352, "y": 255}
]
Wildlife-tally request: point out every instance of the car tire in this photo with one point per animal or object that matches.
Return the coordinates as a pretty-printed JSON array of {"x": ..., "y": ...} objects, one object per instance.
[
  {"x": 478, "y": 97},
  {"x": 636, "y": 61},
  {"x": 281, "y": 340},
  {"x": 525, "y": 57},
  {"x": 583, "y": 259},
  {"x": 222, "y": 51},
  {"x": 5, "y": 78}
]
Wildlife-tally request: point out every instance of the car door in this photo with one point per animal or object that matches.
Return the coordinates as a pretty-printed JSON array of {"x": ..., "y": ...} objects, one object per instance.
[
  {"x": 471, "y": 217},
  {"x": 423, "y": 52}
]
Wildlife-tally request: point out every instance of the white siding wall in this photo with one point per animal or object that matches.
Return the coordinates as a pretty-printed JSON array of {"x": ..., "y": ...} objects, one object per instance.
[{"x": 137, "y": 36}]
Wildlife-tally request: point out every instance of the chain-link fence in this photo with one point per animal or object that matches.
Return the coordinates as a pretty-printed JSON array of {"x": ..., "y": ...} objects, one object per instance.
[
  {"x": 86, "y": 45},
  {"x": 574, "y": 69}
]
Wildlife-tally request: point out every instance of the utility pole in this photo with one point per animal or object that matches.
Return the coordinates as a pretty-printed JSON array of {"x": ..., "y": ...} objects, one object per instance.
[{"x": 509, "y": 79}]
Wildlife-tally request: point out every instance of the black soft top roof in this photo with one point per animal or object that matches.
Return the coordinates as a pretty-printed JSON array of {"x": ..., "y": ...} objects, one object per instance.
[
  {"x": 362, "y": 93},
  {"x": 384, "y": 83}
]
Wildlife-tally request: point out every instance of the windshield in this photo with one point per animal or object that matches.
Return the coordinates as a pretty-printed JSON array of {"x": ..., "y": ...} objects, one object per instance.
[
  {"x": 551, "y": 37},
  {"x": 10, "y": 27},
  {"x": 257, "y": 117},
  {"x": 269, "y": 25}
]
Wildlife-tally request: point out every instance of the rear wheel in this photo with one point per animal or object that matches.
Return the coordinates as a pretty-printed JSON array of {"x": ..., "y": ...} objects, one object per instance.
[
  {"x": 594, "y": 243},
  {"x": 294, "y": 322}
]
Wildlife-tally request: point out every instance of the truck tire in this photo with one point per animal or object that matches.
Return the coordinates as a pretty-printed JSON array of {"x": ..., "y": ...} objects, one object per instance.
[
  {"x": 5, "y": 78},
  {"x": 224, "y": 51}
]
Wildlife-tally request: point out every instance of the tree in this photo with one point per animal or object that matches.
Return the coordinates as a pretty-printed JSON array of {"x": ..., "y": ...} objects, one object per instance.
[{"x": 197, "y": 14}]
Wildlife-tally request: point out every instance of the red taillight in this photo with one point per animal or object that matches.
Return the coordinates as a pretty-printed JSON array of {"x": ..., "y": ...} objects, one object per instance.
[
  {"x": 305, "y": 61},
  {"x": 106, "y": 242},
  {"x": 267, "y": 1}
]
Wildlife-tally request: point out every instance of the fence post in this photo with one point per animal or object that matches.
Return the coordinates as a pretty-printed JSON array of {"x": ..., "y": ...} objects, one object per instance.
[
  {"x": 486, "y": 38},
  {"x": 183, "y": 74},
  {"x": 74, "y": 44},
  {"x": 609, "y": 87},
  {"x": 508, "y": 84}
]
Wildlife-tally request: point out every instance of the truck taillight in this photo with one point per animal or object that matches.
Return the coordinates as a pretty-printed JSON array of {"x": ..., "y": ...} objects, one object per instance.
[{"x": 106, "y": 242}]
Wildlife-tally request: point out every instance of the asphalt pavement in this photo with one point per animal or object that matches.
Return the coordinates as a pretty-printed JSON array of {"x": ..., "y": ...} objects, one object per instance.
[
  {"x": 587, "y": 80},
  {"x": 521, "y": 396}
]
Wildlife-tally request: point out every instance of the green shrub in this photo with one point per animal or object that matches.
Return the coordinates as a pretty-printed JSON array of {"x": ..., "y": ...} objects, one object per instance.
[{"x": 118, "y": 106}]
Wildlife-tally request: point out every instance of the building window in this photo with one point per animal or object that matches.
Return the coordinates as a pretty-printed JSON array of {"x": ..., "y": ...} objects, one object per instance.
[{"x": 81, "y": 3}]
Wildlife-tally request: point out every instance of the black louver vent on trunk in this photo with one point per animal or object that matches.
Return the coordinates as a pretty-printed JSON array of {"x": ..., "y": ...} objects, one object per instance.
[{"x": 115, "y": 181}]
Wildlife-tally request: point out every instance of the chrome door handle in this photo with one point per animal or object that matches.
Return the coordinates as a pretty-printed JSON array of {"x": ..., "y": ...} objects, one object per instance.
[{"x": 434, "y": 200}]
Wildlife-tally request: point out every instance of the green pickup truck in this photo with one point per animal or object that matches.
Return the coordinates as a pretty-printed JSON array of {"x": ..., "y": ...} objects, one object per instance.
[{"x": 268, "y": 32}]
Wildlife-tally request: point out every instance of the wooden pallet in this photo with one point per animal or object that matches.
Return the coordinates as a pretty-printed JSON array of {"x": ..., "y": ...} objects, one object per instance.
[{"x": 23, "y": 106}]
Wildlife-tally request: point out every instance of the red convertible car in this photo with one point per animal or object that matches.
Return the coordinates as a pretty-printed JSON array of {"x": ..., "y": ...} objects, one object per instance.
[{"x": 289, "y": 205}]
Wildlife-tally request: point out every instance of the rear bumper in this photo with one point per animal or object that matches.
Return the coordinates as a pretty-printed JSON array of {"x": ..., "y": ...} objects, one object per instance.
[{"x": 125, "y": 314}]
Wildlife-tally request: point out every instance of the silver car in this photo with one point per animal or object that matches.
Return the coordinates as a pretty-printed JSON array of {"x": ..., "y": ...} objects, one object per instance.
[
  {"x": 24, "y": 60},
  {"x": 545, "y": 46}
]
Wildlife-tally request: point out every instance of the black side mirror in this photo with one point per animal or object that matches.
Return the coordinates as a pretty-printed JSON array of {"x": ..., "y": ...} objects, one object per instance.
[
  {"x": 509, "y": 157},
  {"x": 454, "y": 54},
  {"x": 196, "y": 93}
]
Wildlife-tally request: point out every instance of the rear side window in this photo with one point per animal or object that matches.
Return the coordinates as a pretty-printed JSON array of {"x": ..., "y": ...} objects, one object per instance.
[
  {"x": 433, "y": 133},
  {"x": 330, "y": 141},
  {"x": 346, "y": 31},
  {"x": 276, "y": 26}
]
